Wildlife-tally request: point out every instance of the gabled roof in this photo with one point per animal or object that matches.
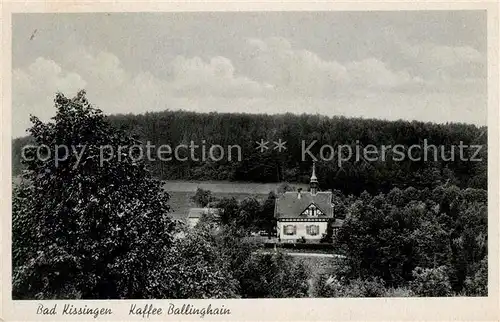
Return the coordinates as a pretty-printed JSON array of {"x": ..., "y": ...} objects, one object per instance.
[
  {"x": 311, "y": 205},
  {"x": 289, "y": 205}
]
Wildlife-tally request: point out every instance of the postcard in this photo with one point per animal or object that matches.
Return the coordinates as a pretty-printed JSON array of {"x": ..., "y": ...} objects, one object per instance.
[{"x": 240, "y": 161}]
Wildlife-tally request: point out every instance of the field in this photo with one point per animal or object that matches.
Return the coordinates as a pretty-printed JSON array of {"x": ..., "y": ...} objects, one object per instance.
[
  {"x": 247, "y": 188},
  {"x": 180, "y": 201},
  {"x": 182, "y": 191}
]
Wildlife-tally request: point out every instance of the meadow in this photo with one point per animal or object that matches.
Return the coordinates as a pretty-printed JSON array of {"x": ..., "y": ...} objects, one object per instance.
[{"x": 181, "y": 192}]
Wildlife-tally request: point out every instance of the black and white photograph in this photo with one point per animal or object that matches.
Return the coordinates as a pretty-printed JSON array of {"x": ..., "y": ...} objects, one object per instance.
[{"x": 248, "y": 155}]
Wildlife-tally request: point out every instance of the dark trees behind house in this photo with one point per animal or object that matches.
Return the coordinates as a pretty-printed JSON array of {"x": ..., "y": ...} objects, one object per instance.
[{"x": 180, "y": 127}]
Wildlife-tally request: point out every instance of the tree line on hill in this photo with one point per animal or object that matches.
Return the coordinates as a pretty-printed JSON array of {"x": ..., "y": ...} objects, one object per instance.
[{"x": 352, "y": 176}]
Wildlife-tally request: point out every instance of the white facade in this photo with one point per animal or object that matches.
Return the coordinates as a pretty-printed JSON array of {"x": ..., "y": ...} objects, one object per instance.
[{"x": 293, "y": 230}]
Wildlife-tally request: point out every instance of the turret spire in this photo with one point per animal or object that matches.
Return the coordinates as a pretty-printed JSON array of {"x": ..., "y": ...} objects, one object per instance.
[
  {"x": 313, "y": 176},
  {"x": 313, "y": 184}
]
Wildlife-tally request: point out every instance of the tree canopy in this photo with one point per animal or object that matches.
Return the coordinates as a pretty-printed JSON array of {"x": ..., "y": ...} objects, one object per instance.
[
  {"x": 89, "y": 230},
  {"x": 437, "y": 239},
  {"x": 353, "y": 176}
]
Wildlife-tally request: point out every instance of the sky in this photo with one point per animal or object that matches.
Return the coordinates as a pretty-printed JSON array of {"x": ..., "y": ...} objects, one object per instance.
[{"x": 412, "y": 65}]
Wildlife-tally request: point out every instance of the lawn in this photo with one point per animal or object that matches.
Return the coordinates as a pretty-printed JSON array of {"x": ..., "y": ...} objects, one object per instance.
[
  {"x": 182, "y": 191},
  {"x": 180, "y": 201},
  {"x": 317, "y": 265},
  {"x": 227, "y": 187}
]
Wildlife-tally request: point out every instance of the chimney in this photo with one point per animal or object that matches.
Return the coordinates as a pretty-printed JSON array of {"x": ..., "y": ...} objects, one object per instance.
[{"x": 299, "y": 193}]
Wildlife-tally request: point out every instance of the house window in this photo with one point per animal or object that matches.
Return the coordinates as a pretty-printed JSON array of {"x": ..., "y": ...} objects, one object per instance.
[
  {"x": 312, "y": 230},
  {"x": 289, "y": 230}
]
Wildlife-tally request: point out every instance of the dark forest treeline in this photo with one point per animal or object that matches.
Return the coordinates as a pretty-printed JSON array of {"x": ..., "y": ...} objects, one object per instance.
[{"x": 354, "y": 176}]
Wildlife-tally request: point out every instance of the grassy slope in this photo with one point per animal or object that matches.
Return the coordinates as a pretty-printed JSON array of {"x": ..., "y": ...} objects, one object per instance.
[
  {"x": 226, "y": 186},
  {"x": 182, "y": 191}
]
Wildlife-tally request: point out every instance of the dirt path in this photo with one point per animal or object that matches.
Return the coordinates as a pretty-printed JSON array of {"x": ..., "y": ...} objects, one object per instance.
[
  {"x": 310, "y": 255},
  {"x": 316, "y": 255}
]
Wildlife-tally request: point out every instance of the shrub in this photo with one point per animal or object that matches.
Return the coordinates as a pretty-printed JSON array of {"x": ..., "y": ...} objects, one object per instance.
[
  {"x": 202, "y": 197},
  {"x": 477, "y": 284},
  {"x": 328, "y": 286},
  {"x": 431, "y": 282},
  {"x": 402, "y": 291},
  {"x": 195, "y": 269},
  {"x": 331, "y": 286},
  {"x": 274, "y": 275}
]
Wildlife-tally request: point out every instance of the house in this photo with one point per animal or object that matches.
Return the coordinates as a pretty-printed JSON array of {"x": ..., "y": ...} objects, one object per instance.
[
  {"x": 195, "y": 214},
  {"x": 304, "y": 214}
]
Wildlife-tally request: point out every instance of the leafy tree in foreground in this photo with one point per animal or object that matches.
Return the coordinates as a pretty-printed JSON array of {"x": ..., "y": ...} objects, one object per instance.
[
  {"x": 88, "y": 229},
  {"x": 390, "y": 236},
  {"x": 195, "y": 269},
  {"x": 274, "y": 275},
  {"x": 230, "y": 265}
]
